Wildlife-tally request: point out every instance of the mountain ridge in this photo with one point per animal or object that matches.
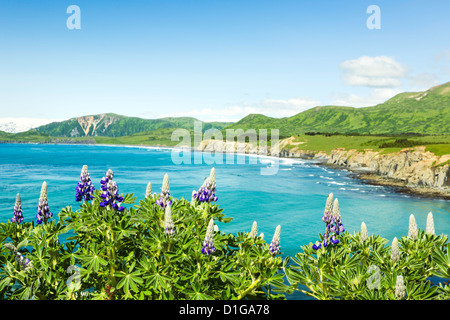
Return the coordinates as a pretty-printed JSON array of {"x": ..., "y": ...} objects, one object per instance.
[{"x": 425, "y": 112}]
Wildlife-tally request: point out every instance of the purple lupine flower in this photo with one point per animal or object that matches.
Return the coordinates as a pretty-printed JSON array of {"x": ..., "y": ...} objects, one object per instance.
[
  {"x": 43, "y": 209},
  {"x": 164, "y": 197},
  {"x": 208, "y": 244},
  {"x": 18, "y": 216},
  {"x": 24, "y": 263},
  {"x": 85, "y": 188},
  {"x": 206, "y": 193},
  {"x": 110, "y": 192},
  {"x": 274, "y": 247},
  {"x": 332, "y": 219},
  {"x": 317, "y": 245},
  {"x": 169, "y": 227}
]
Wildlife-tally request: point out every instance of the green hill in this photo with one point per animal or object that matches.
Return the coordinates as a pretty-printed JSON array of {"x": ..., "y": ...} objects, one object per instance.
[
  {"x": 425, "y": 112},
  {"x": 114, "y": 125}
]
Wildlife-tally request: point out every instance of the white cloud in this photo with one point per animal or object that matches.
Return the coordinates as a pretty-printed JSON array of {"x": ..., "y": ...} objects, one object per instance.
[
  {"x": 377, "y": 96},
  {"x": 269, "y": 107},
  {"x": 380, "y": 71}
]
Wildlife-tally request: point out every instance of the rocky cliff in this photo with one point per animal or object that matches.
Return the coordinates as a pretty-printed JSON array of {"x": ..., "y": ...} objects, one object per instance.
[
  {"x": 412, "y": 167},
  {"x": 415, "y": 167}
]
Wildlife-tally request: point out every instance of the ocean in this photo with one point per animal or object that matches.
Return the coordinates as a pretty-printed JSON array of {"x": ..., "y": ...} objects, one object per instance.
[{"x": 294, "y": 197}]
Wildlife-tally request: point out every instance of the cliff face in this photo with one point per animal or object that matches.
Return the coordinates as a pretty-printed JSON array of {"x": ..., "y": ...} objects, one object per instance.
[{"x": 414, "y": 167}]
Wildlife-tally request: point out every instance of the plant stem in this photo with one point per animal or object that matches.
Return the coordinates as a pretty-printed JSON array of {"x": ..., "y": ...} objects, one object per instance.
[{"x": 250, "y": 288}]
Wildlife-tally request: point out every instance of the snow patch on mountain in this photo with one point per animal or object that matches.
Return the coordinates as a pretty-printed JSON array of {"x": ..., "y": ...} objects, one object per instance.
[{"x": 15, "y": 125}]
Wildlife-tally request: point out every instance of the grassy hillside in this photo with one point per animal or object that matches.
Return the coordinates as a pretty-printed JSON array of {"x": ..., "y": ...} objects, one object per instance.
[
  {"x": 438, "y": 144},
  {"x": 114, "y": 125},
  {"x": 419, "y": 112}
]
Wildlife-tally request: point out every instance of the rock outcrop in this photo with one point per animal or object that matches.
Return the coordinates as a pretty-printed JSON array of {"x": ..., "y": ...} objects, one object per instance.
[
  {"x": 416, "y": 167},
  {"x": 413, "y": 167}
]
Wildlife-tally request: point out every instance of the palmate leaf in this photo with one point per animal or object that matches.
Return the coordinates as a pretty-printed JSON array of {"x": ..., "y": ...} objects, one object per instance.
[
  {"x": 129, "y": 281},
  {"x": 158, "y": 281},
  {"x": 442, "y": 261},
  {"x": 92, "y": 262}
]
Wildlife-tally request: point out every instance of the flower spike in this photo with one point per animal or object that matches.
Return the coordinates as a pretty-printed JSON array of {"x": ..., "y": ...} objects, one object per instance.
[
  {"x": 85, "y": 188},
  {"x": 274, "y": 247},
  {"x": 18, "y": 216},
  {"x": 43, "y": 209}
]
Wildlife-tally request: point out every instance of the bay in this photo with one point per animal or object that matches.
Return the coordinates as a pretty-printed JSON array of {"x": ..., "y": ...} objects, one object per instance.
[{"x": 294, "y": 197}]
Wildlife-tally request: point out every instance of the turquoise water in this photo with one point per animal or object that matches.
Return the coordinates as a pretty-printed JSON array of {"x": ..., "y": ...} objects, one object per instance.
[{"x": 294, "y": 197}]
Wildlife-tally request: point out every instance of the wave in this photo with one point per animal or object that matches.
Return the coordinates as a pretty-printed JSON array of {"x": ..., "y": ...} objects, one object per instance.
[{"x": 337, "y": 183}]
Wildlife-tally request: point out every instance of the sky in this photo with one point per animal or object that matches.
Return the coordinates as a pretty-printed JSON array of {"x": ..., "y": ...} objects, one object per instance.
[{"x": 214, "y": 60}]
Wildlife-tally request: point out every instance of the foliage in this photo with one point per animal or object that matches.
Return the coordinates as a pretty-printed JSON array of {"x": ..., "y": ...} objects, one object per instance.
[
  {"x": 365, "y": 270},
  {"x": 115, "y": 248},
  {"x": 127, "y": 255}
]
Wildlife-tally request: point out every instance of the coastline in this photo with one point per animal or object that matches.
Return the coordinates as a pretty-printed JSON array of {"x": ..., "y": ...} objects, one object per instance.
[{"x": 362, "y": 173}]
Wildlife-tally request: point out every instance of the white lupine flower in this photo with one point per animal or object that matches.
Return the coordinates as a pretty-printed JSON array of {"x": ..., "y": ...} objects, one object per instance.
[
  {"x": 148, "y": 190},
  {"x": 412, "y": 232},
  {"x": 395, "y": 251},
  {"x": 164, "y": 197},
  {"x": 430, "y": 224},
  {"x": 364, "y": 234},
  {"x": 400, "y": 288},
  {"x": 212, "y": 176},
  {"x": 165, "y": 186},
  {"x": 336, "y": 210},
  {"x": 261, "y": 236},
  {"x": 43, "y": 196},
  {"x": 168, "y": 222},
  {"x": 254, "y": 231}
]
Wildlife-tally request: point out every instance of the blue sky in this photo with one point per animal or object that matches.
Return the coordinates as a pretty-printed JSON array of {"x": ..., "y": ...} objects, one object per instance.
[{"x": 215, "y": 60}]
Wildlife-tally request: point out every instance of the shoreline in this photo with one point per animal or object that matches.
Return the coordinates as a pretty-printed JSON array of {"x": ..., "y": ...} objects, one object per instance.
[
  {"x": 361, "y": 174},
  {"x": 398, "y": 186}
]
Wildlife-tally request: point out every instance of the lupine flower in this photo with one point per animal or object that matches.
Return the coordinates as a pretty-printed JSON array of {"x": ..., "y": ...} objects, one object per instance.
[
  {"x": 24, "y": 263},
  {"x": 168, "y": 222},
  {"x": 18, "y": 216},
  {"x": 412, "y": 231},
  {"x": 317, "y": 245},
  {"x": 274, "y": 247},
  {"x": 207, "y": 191},
  {"x": 254, "y": 231},
  {"x": 261, "y": 236},
  {"x": 43, "y": 209},
  {"x": 193, "y": 197},
  {"x": 148, "y": 190},
  {"x": 399, "y": 288},
  {"x": 395, "y": 253},
  {"x": 327, "y": 214},
  {"x": 364, "y": 234},
  {"x": 85, "y": 188},
  {"x": 110, "y": 192},
  {"x": 208, "y": 244},
  {"x": 332, "y": 219},
  {"x": 430, "y": 224},
  {"x": 164, "y": 197}
]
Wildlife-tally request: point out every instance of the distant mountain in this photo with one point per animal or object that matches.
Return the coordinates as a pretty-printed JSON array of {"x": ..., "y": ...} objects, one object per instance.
[
  {"x": 15, "y": 125},
  {"x": 114, "y": 125},
  {"x": 425, "y": 112}
]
